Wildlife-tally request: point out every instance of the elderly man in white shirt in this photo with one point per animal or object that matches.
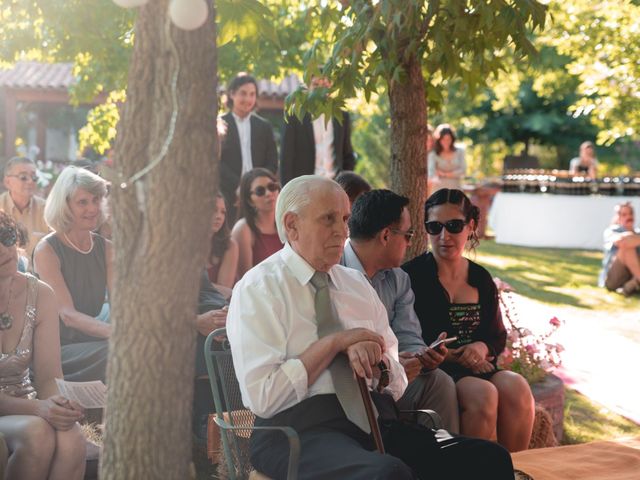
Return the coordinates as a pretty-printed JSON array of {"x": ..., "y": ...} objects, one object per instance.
[{"x": 287, "y": 370}]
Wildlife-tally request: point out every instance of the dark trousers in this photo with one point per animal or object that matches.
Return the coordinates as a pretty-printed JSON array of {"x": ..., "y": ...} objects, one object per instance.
[{"x": 333, "y": 447}]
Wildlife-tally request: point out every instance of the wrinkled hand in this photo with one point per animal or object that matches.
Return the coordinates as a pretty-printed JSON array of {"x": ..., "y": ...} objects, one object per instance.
[
  {"x": 346, "y": 338},
  {"x": 412, "y": 365},
  {"x": 469, "y": 356},
  {"x": 209, "y": 321},
  {"x": 363, "y": 356},
  {"x": 62, "y": 414}
]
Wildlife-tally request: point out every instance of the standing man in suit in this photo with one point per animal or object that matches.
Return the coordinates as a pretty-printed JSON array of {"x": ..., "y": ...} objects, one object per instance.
[
  {"x": 313, "y": 147},
  {"x": 249, "y": 141}
]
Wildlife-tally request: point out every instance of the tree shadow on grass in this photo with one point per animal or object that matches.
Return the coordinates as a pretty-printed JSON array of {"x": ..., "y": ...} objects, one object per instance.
[{"x": 547, "y": 275}]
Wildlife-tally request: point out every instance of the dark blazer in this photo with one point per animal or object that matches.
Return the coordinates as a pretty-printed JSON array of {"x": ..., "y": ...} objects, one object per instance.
[
  {"x": 263, "y": 153},
  {"x": 298, "y": 151}
]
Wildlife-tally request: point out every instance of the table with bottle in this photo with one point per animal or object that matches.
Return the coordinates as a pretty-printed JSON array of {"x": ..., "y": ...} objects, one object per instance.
[{"x": 554, "y": 209}]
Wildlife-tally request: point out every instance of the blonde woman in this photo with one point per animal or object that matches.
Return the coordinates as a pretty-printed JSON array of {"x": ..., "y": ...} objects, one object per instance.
[{"x": 76, "y": 262}]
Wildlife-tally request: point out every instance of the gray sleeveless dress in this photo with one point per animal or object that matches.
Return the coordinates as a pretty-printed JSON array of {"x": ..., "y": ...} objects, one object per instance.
[{"x": 84, "y": 357}]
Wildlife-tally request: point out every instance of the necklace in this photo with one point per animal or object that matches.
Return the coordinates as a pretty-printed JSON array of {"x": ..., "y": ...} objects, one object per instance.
[
  {"x": 6, "y": 319},
  {"x": 78, "y": 249}
]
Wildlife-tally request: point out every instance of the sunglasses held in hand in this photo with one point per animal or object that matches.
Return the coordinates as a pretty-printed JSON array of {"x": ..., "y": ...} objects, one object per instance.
[
  {"x": 261, "y": 191},
  {"x": 452, "y": 226}
]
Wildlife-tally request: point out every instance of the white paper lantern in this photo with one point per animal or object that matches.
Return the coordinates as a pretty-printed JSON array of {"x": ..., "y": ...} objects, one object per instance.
[
  {"x": 130, "y": 3},
  {"x": 188, "y": 14}
]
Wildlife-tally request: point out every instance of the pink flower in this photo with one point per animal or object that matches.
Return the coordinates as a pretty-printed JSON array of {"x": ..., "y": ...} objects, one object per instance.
[
  {"x": 555, "y": 322},
  {"x": 502, "y": 286},
  {"x": 531, "y": 349}
]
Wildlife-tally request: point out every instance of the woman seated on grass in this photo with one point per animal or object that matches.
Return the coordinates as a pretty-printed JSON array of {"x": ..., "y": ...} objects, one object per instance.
[
  {"x": 222, "y": 264},
  {"x": 256, "y": 232},
  {"x": 457, "y": 296},
  {"x": 38, "y": 424}
]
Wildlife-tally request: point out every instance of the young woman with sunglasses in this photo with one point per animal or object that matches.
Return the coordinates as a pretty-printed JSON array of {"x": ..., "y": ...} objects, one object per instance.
[
  {"x": 38, "y": 424},
  {"x": 256, "y": 231},
  {"x": 222, "y": 264},
  {"x": 456, "y": 295}
]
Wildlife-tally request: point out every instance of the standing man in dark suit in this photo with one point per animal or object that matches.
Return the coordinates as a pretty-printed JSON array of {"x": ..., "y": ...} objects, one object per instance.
[
  {"x": 249, "y": 141},
  {"x": 313, "y": 147}
]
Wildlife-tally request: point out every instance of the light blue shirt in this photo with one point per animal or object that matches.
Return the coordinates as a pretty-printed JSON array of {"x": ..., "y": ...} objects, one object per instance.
[{"x": 393, "y": 286}]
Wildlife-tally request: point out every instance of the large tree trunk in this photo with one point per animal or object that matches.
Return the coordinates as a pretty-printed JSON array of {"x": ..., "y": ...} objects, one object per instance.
[
  {"x": 408, "y": 148},
  {"x": 161, "y": 230}
]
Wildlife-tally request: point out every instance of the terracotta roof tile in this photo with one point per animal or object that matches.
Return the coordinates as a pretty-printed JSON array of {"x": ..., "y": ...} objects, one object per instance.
[{"x": 38, "y": 75}]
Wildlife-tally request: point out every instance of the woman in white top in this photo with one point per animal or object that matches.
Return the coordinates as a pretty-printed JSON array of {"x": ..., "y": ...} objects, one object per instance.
[
  {"x": 446, "y": 163},
  {"x": 586, "y": 164}
]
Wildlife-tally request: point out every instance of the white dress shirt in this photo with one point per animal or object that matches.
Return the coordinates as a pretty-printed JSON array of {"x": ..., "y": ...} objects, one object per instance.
[
  {"x": 271, "y": 321},
  {"x": 244, "y": 132},
  {"x": 323, "y": 138}
]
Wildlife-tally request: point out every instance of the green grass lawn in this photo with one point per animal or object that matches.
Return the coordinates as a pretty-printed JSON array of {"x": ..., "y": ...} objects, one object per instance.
[
  {"x": 564, "y": 277},
  {"x": 585, "y": 421},
  {"x": 553, "y": 276}
]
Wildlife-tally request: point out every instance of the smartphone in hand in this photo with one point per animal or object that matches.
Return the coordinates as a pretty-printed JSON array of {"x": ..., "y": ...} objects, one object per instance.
[{"x": 443, "y": 341}]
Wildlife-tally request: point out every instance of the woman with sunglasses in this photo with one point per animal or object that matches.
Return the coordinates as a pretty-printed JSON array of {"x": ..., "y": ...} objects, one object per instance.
[
  {"x": 256, "y": 231},
  {"x": 38, "y": 424},
  {"x": 456, "y": 295},
  {"x": 222, "y": 264},
  {"x": 76, "y": 262}
]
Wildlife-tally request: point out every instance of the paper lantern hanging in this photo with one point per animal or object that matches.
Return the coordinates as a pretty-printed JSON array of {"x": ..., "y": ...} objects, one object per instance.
[{"x": 188, "y": 14}]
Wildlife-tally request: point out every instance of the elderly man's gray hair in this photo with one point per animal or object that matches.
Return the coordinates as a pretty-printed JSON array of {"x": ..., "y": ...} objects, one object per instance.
[{"x": 296, "y": 195}]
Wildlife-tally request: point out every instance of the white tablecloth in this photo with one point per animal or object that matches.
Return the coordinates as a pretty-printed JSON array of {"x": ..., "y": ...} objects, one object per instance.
[{"x": 545, "y": 220}]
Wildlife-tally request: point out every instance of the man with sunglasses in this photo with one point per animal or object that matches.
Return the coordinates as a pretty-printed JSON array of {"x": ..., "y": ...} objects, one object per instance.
[
  {"x": 20, "y": 200},
  {"x": 379, "y": 234}
]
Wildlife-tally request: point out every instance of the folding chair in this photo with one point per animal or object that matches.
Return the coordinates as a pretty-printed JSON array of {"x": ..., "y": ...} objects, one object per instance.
[{"x": 236, "y": 421}]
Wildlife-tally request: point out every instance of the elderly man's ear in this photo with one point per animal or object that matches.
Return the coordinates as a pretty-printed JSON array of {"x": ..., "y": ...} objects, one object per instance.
[{"x": 291, "y": 224}]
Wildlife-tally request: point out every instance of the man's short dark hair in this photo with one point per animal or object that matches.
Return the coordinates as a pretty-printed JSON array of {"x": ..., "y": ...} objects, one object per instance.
[
  {"x": 373, "y": 211},
  {"x": 353, "y": 184},
  {"x": 237, "y": 82}
]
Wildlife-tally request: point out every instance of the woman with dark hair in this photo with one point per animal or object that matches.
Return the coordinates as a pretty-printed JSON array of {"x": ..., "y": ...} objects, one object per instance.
[
  {"x": 458, "y": 296},
  {"x": 256, "y": 231},
  {"x": 446, "y": 163},
  {"x": 249, "y": 141},
  {"x": 222, "y": 263},
  {"x": 38, "y": 424}
]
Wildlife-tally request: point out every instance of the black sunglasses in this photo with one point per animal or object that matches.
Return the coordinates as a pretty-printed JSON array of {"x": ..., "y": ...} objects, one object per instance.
[
  {"x": 452, "y": 226},
  {"x": 408, "y": 235},
  {"x": 261, "y": 191},
  {"x": 8, "y": 236},
  {"x": 23, "y": 177}
]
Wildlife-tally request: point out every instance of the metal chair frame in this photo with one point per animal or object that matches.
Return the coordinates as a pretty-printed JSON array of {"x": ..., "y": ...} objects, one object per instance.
[{"x": 225, "y": 390}]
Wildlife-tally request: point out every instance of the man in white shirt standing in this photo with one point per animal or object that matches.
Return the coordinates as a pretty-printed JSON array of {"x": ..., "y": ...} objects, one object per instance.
[
  {"x": 287, "y": 370},
  {"x": 248, "y": 143},
  {"x": 20, "y": 200},
  {"x": 318, "y": 146}
]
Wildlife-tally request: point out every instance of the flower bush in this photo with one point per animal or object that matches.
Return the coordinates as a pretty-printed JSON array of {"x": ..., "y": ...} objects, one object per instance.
[{"x": 531, "y": 355}]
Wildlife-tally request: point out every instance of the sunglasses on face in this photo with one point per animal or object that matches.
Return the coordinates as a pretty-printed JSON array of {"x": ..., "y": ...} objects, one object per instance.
[
  {"x": 8, "y": 236},
  {"x": 452, "y": 226},
  {"x": 25, "y": 177},
  {"x": 261, "y": 191},
  {"x": 408, "y": 235}
]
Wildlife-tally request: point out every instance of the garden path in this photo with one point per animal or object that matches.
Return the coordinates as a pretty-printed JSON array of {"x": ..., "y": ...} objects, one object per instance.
[{"x": 601, "y": 349}]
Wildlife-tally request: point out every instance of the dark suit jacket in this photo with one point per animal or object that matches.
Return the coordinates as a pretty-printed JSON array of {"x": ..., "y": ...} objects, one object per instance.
[
  {"x": 298, "y": 152},
  {"x": 263, "y": 153}
]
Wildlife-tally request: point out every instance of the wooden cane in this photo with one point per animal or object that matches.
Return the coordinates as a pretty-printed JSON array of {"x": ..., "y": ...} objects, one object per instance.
[{"x": 371, "y": 414}]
